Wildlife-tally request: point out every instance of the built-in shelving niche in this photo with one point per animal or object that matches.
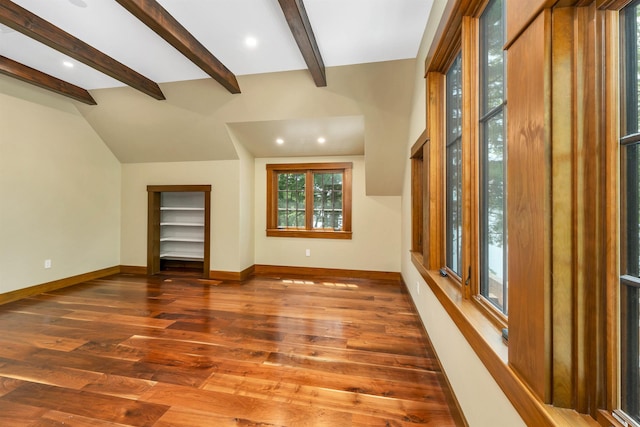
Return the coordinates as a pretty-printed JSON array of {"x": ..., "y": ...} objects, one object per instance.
[{"x": 178, "y": 229}]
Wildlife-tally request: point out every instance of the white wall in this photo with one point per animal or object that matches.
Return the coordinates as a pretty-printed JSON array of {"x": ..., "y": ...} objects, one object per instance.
[
  {"x": 483, "y": 402},
  {"x": 222, "y": 175},
  {"x": 375, "y": 244},
  {"x": 59, "y": 191}
]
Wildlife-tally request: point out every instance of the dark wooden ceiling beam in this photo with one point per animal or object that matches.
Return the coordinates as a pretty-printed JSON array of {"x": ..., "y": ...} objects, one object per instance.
[
  {"x": 154, "y": 16},
  {"x": 298, "y": 21},
  {"x": 20, "y": 71},
  {"x": 33, "y": 26}
]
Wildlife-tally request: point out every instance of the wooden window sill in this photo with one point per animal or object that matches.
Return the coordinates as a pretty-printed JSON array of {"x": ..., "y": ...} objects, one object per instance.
[
  {"x": 310, "y": 234},
  {"x": 486, "y": 340}
]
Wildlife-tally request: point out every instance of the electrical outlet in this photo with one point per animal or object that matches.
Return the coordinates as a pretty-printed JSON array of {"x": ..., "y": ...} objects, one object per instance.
[
  {"x": 418, "y": 287},
  {"x": 307, "y": 252},
  {"x": 47, "y": 263}
]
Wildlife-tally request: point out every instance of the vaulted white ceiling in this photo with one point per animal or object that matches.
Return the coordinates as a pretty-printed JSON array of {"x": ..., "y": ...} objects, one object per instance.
[{"x": 347, "y": 32}]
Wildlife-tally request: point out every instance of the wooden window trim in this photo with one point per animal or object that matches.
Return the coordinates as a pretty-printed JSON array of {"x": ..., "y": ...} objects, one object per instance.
[
  {"x": 480, "y": 332},
  {"x": 309, "y": 168},
  {"x": 485, "y": 338}
]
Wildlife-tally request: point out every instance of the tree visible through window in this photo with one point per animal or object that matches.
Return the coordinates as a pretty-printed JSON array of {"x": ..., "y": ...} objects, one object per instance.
[
  {"x": 309, "y": 200},
  {"x": 493, "y": 235},
  {"x": 454, "y": 167}
]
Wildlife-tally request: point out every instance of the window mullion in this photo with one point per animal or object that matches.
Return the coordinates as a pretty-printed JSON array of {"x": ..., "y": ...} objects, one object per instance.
[{"x": 309, "y": 200}]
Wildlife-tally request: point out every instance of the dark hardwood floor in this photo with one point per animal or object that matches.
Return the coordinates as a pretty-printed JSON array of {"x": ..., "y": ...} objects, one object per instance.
[{"x": 166, "y": 351}]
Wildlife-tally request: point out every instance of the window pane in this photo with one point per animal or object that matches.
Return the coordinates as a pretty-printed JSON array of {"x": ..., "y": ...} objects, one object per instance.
[
  {"x": 492, "y": 56},
  {"x": 327, "y": 200},
  {"x": 492, "y": 215},
  {"x": 291, "y": 200},
  {"x": 632, "y": 203},
  {"x": 630, "y": 23},
  {"x": 493, "y": 238},
  {"x": 454, "y": 167},
  {"x": 454, "y": 100},
  {"x": 636, "y": 86}
]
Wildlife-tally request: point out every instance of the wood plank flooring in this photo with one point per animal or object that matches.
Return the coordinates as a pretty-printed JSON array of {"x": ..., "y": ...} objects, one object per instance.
[{"x": 130, "y": 350}]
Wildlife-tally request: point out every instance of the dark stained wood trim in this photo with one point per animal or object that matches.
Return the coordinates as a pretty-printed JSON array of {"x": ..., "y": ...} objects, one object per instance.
[
  {"x": 133, "y": 269},
  {"x": 272, "y": 194},
  {"x": 154, "y": 16},
  {"x": 315, "y": 166},
  {"x": 33, "y": 26},
  {"x": 153, "y": 224},
  {"x": 19, "y": 71},
  {"x": 233, "y": 276},
  {"x": 298, "y": 21},
  {"x": 207, "y": 232},
  {"x": 450, "y": 37},
  {"x": 416, "y": 148},
  {"x": 57, "y": 284},
  {"x": 162, "y": 188},
  {"x": 612, "y": 4},
  {"x": 153, "y": 232},
  {"x": 279, "y": 270},
  {"x": 310, "y": 234}
]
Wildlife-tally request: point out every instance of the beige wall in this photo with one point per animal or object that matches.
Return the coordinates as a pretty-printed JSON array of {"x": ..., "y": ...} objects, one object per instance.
[
  {"x": 59, "y": 190},
  {"x": 191, "y": 124},
  {"x": 246, "y": 210},
  {"x": 222, "y": 175},
  {"x": 375, "y": 245},
  {"x": 482, "y": 401}
]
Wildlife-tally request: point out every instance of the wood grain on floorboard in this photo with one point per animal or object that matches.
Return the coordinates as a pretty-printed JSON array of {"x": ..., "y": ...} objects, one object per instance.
[{"x": 131, "y": 350}]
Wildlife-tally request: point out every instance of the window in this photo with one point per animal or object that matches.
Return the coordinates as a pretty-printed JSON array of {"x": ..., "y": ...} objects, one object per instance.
[
  {"x": 630, "y": 214},
  {"x": 493, "y": 227},
  {"x": 309, "y": 200},
  {"x": 454, "y": 167}
]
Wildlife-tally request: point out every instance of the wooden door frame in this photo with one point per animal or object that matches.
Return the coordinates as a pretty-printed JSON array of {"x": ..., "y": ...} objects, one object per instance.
[{"x": 153, "y": 224}]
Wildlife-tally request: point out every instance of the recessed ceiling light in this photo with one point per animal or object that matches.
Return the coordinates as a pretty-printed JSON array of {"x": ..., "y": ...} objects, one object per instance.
[
  {"x": 280, "y": 141},
  {"x": 67, "y": 64},
  {"x": 251, "y": 41},
  {"x": 321, "y": 140}
]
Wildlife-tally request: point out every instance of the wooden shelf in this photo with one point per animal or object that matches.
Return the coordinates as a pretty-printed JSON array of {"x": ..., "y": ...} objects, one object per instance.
[
  {"x": 182, "y": 256},
  {"x": 179, "y": 228},
  {"x": 180, "y": 208}
]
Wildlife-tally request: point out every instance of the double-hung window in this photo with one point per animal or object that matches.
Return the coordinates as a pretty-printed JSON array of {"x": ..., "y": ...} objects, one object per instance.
[
  {"x": 630, "y": 214},
  {"x": 309, "y": 200},
  {"x": 454, "y": 167},
  {"x": 492, "y": 150}
]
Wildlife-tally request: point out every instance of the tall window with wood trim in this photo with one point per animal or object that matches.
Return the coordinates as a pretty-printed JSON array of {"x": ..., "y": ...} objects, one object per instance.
[
  {"x": 454, "y": 167},
  {"x": 630, "y": 214},
  {"x": 493, "y": 227},
  {"x": 309, "y": 200}
]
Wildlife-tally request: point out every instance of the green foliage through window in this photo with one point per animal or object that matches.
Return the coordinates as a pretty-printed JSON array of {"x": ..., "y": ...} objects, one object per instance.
[{"x": 493, "y": 232}]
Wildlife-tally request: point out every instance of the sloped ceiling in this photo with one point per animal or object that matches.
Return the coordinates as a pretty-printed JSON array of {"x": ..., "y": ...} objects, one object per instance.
[
  {"x": 195, "y": 120},
  {"x": 363, "y": 110}
]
